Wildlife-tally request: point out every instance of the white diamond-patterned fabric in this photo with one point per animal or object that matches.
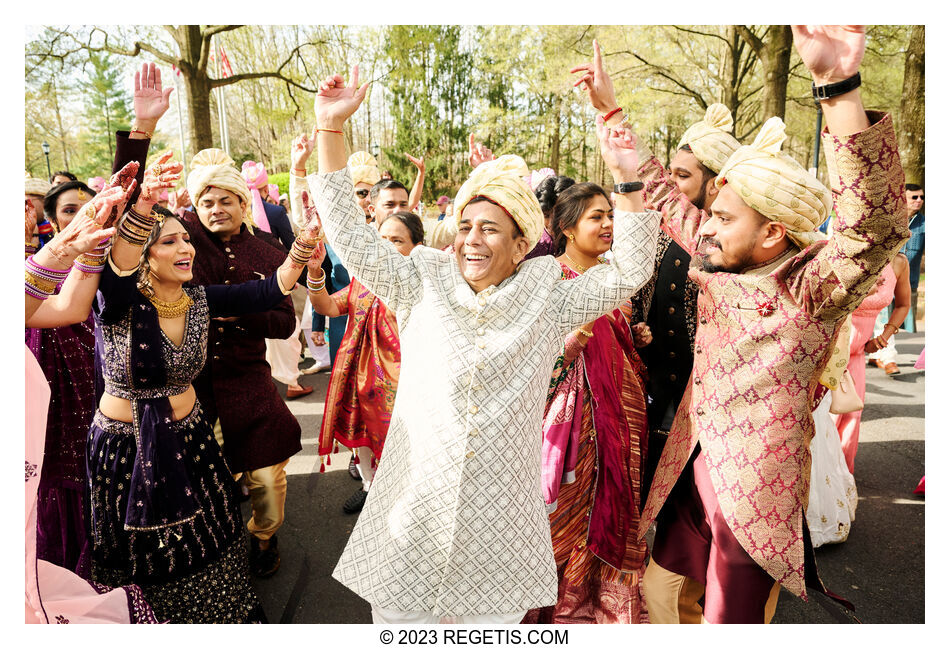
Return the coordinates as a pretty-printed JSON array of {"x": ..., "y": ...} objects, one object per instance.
[{"x": 455, "y": 521}]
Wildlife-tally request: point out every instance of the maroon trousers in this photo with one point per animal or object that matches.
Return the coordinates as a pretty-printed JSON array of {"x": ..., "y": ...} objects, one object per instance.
[{"x": 694, "y": 540}]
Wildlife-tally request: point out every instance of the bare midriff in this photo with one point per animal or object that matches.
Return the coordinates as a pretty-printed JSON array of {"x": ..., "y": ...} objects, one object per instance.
[{"x": 120, "y": 409}]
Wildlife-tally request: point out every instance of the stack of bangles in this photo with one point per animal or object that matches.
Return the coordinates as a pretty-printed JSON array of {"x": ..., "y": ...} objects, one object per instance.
[
  {"x": 135, "y": 228},
  {"x": 316, "y": 285},
  {"x": 30, "y": 249},
  {"x": 41, "y": 282},
  {"x": 92, "y": 262},
  {"x": 302, "y": 250}
]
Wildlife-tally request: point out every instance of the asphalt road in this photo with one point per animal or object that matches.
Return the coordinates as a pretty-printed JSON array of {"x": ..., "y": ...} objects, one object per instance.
[{"x": 880, "y": 568}]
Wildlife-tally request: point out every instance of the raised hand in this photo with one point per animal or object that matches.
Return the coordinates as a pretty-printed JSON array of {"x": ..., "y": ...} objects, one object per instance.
[
  {"x": 302, "y": 149},
  {"x": 830, "y": 52},
  {"x": 313, "y": 227},
  {"x": 316, "y": 259},
  {"x": 30, "y": 221},
  {"x": 618, "y": 146},
  {"x": 161, "y": 175},
  {"x": 124, "y": 178},
  {"x": 478, "y": 152},
  {"x": 597, "y": 83},
  {"x": 86, "y": 230},
  {"x": 336, "y": 101},
  {"x": 419, "y": 163},
  {"x": 149, "y": 99}
]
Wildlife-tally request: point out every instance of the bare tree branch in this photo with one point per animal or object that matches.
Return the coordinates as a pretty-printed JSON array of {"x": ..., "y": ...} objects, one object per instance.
[
  {"x": 698, "y": 33},
  {"x": 754, "y": 41}
]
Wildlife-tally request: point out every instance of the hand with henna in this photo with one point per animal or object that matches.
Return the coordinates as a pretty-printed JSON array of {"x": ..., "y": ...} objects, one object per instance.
[
  {"x": 85, "y": 231},
  {"x": 161, "y": 175},
  {"x": 124, "y": 178}
]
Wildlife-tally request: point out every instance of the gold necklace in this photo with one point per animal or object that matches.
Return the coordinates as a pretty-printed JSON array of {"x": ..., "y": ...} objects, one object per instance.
[
  {"x": 171, "y": 309},
  {"x": 577, "y": 266}
]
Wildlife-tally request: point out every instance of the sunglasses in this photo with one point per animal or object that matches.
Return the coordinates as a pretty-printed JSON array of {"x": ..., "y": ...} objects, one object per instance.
[
  {"x": 362, "y": 193},
  {"x": 915, "y": 197}
]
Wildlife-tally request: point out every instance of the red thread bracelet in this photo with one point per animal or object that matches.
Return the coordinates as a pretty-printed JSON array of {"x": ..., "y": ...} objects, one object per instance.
[{"x": 612, "y": 113}]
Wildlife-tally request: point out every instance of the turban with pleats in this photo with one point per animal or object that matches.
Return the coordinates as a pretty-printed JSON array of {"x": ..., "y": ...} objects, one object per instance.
[
  {"x": 777, "y": 187},
  {"x": 363, "y": 168},
  {"x": 37, "y": 186},
  {"x": 710, "y": 140},
  {"x": 255, "y": 175},
  {"x": 213, "y": 167},
  {"x": 502, "y": 181}
]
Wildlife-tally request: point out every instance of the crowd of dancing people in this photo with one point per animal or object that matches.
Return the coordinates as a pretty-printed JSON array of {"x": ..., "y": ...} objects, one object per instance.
[{"x": 683, "y": 351}]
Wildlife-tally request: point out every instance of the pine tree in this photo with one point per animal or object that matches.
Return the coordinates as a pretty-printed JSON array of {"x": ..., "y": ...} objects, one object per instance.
[{"x": 107, "y": 109}]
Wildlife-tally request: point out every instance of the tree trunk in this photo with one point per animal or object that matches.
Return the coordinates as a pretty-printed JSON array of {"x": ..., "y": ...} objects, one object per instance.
[
  {"x": 910, "y": 137},
  {"x": 774, "y": 56},
  {"x": 729, "y": 69},
  {"x": 556, "y": 137},
  {"x": 198, "y": 96}
]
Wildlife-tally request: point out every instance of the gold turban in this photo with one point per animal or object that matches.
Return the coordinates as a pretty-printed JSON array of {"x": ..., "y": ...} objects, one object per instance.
[
  {"x": 777, "y": 187},
  {"x": 37, "y": 186},
  {"x": 502, "y": 180},
  {"x": 213, "y": 167},
  {"x": 363, "y": 168},
  {"x": 709, "y": 140}
]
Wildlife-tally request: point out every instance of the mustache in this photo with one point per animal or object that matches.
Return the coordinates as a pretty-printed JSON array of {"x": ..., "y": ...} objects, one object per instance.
[{"x": 708, "y": 240}]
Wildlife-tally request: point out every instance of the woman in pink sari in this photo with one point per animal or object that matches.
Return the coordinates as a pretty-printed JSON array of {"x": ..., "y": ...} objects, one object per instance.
[
  {"x": 365, "y": 373},
  {"x": 893, "y": 284},
  {"x": 595, "y": 438}
]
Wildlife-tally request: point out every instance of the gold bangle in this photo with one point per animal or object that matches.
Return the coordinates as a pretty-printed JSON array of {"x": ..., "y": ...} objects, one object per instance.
[{"x": 583, "y": 332}]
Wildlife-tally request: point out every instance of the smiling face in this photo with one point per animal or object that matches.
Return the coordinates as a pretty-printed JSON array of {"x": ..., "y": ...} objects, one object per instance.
[
  {"x": 388, "y": 201},
  {"x": 171, "y": 256},
  {"x": 735, "y": 237},
  {"x": 593, "y": 231},
  {"x": 68, "y": 205},
  {"x": 693, "y": 179},
  {"x": 221, "y": 212},
  {"x": 915, "y": 201},
  {"x": 394, "y": 231},
  {"x": 488, "y": 246}
]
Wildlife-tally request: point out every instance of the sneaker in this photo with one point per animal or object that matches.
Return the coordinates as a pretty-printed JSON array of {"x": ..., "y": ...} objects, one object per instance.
[
  {"x": 354, "y": 471},
  {"x": 354, "y": 504},
  {"x": 264, "y": 563},
  {"x": 892, "y": 369}
]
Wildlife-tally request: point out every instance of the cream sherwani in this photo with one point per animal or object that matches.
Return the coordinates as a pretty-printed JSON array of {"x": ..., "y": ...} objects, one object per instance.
[{"x": 455, "y": 522}]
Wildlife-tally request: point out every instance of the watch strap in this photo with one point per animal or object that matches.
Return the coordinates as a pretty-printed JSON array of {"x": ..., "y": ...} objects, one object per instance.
[
  {"x": 830, "y": 90},
  {"x": 628, "y": 188}
]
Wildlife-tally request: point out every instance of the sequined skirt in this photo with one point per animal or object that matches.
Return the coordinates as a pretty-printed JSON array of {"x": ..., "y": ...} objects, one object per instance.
[{"x": 196, "y": 571}]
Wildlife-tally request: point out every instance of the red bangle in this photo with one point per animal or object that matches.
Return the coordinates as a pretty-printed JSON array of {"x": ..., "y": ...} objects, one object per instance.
[
  {"x": 612, "y": 113},
  {"x": 329, "y": 130}
]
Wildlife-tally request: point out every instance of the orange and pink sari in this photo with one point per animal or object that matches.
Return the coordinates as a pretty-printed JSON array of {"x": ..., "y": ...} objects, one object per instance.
[{"x": 362, "y": 388}]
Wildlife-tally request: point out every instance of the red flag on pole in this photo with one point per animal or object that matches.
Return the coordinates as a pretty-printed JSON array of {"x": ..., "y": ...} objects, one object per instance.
[{"x": 226, "y": 70}]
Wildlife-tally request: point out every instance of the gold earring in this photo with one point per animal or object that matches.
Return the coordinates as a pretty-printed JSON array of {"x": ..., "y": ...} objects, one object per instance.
[{"x": 570, "y": 237}]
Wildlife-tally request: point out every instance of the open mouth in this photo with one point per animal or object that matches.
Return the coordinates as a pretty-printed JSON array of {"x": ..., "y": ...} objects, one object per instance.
[
  {"x": 474, "y": 259},
  {"x": 183, "y": 264}
]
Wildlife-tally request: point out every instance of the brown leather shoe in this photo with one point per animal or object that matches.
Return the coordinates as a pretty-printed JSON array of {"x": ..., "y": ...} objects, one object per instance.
[
  {"x": 295, "y": 393},
  {"x": 879, "y": 363},
  {"x": 891, "y": 369}
]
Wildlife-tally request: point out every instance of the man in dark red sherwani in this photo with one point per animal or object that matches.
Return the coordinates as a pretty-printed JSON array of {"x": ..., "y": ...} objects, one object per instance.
[{"x": 257, "y": 431}]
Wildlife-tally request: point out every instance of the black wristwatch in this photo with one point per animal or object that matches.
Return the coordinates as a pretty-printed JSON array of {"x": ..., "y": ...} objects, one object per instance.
[
  {"x": 628, "y": 188},
  {"x": 830, "y": 90}
]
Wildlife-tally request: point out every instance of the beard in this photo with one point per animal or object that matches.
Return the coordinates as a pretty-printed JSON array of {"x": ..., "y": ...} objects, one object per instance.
[{"x": 743, "y": 258}]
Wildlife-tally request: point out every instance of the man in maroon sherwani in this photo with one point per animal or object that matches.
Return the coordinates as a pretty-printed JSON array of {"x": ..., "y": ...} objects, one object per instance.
[{"x": 258, "y": 432}]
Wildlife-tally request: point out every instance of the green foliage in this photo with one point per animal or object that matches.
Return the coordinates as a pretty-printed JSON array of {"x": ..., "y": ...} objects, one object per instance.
[
  {"x": 107, "y": 109},
  {"x": 282, "y": 180}
]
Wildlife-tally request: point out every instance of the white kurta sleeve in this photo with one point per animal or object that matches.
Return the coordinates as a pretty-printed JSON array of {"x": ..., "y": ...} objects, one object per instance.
[
  {"x": 392, "y": 277},
  {"x": 297, "y": 185},
  {"x": 585, "y": 298}
]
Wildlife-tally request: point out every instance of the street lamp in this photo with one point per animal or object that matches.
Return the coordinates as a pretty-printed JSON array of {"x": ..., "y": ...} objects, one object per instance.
[
  {"x": 375, "y": 150},
  {"x": 45, "y": 146}
]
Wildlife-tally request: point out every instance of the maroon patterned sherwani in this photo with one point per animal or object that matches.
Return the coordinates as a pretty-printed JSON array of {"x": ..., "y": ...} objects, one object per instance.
[{"x": 762, "y": 340}]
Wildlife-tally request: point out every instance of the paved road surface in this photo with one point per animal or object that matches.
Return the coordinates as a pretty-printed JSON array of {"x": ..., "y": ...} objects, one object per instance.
[{"x": 880, "y": 568}]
